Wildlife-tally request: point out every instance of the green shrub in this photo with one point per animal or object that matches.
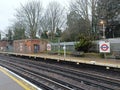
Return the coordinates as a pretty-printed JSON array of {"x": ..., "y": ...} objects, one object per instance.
[{"x": 84, "y": 44}]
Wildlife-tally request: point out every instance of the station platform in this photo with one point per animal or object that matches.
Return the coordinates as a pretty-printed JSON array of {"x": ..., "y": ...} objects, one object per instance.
[
  {"x": 114, "y": 63},
  {"x": 11, "y": 81}
]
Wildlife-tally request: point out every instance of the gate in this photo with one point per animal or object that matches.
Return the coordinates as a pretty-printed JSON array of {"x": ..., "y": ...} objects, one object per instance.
[{"x": 36, "y": 48}]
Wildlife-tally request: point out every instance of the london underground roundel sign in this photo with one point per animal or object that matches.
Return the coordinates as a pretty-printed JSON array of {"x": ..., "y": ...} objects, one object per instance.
[{"x": 104, "y": 47}]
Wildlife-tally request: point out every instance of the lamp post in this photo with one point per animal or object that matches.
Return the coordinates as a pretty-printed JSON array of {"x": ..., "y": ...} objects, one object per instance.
[
  {"x": 103, "y": 28},
  {"x": 47, "y": 34}
]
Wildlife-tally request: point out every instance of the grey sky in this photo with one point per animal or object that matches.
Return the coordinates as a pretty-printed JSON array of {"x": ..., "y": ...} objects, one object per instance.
[{"x": 7, "y": 10}]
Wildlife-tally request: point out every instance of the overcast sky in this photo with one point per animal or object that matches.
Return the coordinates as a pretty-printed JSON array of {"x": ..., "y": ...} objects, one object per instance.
[{"x": 7, "y": 10}]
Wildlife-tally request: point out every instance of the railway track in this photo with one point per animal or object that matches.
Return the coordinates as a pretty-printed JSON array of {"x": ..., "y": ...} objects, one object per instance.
[
  {"x": 97, "y": 82},
  {"x": 47, "y": 83},
  {"x": 43, "y": 81}
]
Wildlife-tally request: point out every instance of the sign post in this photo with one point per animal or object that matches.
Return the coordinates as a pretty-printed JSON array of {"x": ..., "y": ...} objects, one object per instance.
[{"x": 64, "y": 48}]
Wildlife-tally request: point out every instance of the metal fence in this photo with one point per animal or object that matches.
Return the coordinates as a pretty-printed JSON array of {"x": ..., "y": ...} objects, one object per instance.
[
  {"x": 69, "y": 46},
  {"x": 114, "y": 45}
]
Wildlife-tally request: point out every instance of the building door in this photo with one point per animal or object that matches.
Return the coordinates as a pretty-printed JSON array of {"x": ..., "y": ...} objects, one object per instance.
[{"x": 36, "y": 48}]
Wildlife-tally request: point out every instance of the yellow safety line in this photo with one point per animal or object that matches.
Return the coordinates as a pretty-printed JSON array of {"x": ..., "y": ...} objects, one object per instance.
[{"x": 16, "y": 80}]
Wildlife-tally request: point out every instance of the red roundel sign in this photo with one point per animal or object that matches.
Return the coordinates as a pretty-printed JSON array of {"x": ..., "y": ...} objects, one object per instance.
[{"x": 104, "y": 47}]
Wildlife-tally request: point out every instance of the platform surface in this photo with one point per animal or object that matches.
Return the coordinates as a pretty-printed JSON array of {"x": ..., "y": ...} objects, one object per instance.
[
  {"x": 11, "y": 81},
  {"x": 92, "y": 61},
  {"x": 7, "y": 83},
  {"x": 114, "y": 63}
]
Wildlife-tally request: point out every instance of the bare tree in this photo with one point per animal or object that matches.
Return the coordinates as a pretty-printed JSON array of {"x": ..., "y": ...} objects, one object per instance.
[
  {"x": 18, "y": 30},
  {"x": 94, "y": 16},
  {"x": 85, "y": 9},
  {"x": 55, "y": 17},
  {"x": 30, "y": 15},
  {"x": 81, "y": 8},
  {"x": 44, "y": 25}
]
